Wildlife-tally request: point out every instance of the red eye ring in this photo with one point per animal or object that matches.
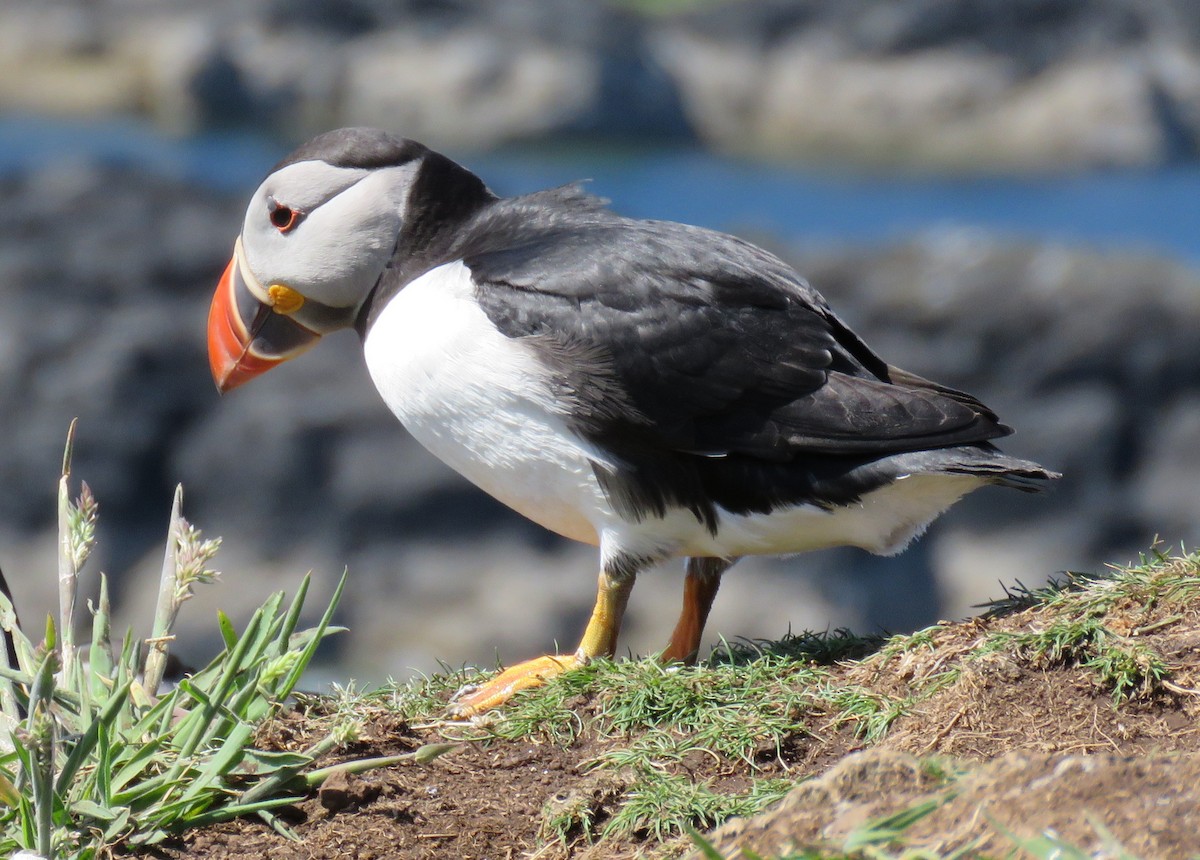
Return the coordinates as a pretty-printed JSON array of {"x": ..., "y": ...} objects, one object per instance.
[{"x": 283, "y": 217}]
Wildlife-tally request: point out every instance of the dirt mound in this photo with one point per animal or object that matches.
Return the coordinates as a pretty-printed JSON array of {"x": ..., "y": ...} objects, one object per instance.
[
  {"x": 1067, "y": 717},
  {"x": 1150, "y": 806}
]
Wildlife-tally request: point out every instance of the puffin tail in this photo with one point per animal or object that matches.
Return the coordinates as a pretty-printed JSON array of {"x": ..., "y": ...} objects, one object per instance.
[{"x": 985, "y": 461}]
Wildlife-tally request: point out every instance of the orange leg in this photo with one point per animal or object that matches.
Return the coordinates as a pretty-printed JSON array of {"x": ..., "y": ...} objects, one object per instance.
[
  {"x": 699, "y": 591},
  {"x": 599, "y": 640}
]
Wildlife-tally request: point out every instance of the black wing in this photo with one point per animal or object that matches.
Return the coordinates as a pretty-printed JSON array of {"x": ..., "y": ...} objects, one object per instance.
[{"x": 691, "y": 341}]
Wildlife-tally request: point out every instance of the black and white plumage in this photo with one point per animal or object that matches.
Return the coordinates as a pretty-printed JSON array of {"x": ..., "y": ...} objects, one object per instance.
[{"x": 656, "y": 389}]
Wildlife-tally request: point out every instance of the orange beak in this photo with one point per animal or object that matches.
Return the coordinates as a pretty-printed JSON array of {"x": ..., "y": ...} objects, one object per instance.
[{"x": 247, "y": 337}]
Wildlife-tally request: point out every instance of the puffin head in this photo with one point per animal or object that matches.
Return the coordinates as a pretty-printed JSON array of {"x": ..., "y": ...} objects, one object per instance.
[{"x": 319, "y": 232}]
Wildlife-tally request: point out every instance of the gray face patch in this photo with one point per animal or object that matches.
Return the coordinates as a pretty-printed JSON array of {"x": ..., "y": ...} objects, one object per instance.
[{"x": 343, "y": 237}]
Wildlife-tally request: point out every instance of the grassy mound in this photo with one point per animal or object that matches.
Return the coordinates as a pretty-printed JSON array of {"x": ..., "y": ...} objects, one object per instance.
[{"x": 1064, "y": 722}]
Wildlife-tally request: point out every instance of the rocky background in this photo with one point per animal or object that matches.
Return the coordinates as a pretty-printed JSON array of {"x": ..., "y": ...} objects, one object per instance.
[
  {"x": 106, "y": 273},
  {"x": 920, "y": 83}
]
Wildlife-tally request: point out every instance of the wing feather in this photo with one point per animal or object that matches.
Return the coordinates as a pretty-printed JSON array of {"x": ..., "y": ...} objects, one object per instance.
[{"x": 672, "y": 337}]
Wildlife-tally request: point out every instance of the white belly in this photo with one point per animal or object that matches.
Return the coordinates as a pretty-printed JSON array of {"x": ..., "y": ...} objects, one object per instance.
[
  {"x": 883, "y": 521},
  {"x": 481, "y": 403},
  {"x": 478, "y": 401}
]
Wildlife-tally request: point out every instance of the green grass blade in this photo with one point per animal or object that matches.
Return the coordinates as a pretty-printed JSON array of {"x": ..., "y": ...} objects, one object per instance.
[
  {"x": 201, "y": 719},
  {"x": 28, "y": 823},
  {"x": 134, "y": 766},
  {"x": 707, "y": 851},
  {"x": 890, "y": 827},
  {"x": 40, "y": 728},
  {"x": 79, "y": 721},
  {"x": 228, "y": 632},
  {"x": 41, "y": 693},
  {"x": 125, "y": 670},
  {"x": 293, "y": 677},
  {"x": 241, "y": 707},
  {"x": 265, "y": 762},
  {"x": 146, "y": 792},
  {"x": 293, "y": 616},
  {"x": 316, "y": 777},
  {"x": 104, "y": 768},
  {"x": 68, "y": 576},
  {"x": 100, "y": 656},
  {"x": 228, "y": 712},
  {"x": 164, "y": 613},
  {"x": 160, "y": 720},
  {"x": 228, "y": 757},
  {"x": 227, "y": 813},
  {"x": 117, "y": 826},
  {"x": 83, "y": 748},
  {"x": 285, "y": 775},
  {"x": 278, "y": 826},
  {"x": 93, "y": 810}
]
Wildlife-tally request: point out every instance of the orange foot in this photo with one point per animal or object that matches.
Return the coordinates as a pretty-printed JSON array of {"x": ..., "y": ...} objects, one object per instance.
[
  {"x": 599, "y": 640},
  {"x": 475, "y": 699}
]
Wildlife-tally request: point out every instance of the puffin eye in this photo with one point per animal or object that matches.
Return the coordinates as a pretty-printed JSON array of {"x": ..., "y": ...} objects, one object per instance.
[{"x": 283, "y": 217}]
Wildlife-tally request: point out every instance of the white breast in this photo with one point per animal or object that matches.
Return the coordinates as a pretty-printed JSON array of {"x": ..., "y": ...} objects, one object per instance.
[{"x": 481, "y": 403}]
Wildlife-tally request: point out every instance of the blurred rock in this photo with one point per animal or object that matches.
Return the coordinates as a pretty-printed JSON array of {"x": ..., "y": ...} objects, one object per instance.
[
  {"x": 465, "y": 87},
  {"x": 944, "y": 109},
  {"x": 925, "y": 84},
  {"x": 107, "y": 274}
]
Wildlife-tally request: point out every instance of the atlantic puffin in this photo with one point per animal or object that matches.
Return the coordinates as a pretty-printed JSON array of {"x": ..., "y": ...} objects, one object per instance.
[{"x": 653, "y": 389}]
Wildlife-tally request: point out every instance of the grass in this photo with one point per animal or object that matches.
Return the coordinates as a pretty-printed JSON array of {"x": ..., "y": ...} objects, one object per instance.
[
  {"x": 1076, "y": 626},
  {"x": 662, "y": 717},
  {"x": 103, "y": 755},
  {"x": 871, "y": 712},
  {"x": 657, "y": 717},
  {"x": 656, "y": 808},
  {"x": 1156, "y": 577},
  {"x": 1127, "y": 668},
  {"x": 99, "y": 756},
  {"x": 750, "y": 701}
]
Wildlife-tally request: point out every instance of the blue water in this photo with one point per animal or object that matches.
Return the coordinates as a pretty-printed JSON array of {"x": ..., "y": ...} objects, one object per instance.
[{"x": 1156, "y": 210}]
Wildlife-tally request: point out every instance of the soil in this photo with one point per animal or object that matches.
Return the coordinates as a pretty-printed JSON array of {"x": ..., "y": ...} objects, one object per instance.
[{"x": 1015, "y": 747}]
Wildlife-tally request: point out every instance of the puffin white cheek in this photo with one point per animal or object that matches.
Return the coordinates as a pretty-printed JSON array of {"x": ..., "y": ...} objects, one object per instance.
[
  {"x": 340, "y": 276},
  {"x": 336, "y": 260},
  {"x": 360, "y": 228}
]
